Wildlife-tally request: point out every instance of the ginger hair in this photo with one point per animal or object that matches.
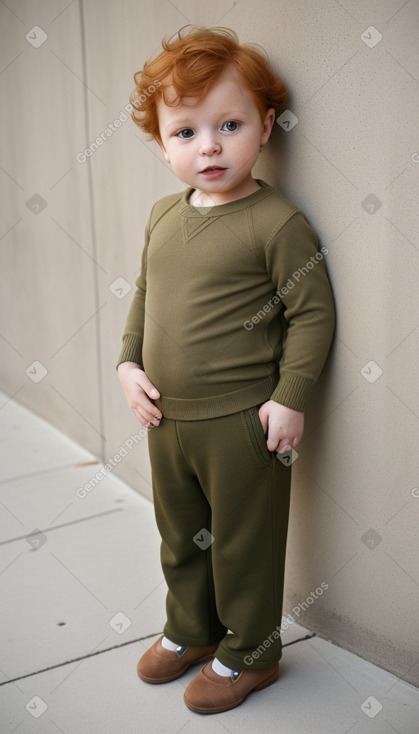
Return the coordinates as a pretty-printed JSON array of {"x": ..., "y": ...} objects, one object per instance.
[{"x": 191, "y": 62}]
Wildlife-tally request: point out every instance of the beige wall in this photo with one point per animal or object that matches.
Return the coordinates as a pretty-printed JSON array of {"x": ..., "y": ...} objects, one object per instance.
[{"x": 355, "y": 499}]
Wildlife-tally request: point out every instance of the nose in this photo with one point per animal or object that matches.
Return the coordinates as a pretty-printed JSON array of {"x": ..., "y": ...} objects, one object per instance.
[{"x": 209, "y": 145}]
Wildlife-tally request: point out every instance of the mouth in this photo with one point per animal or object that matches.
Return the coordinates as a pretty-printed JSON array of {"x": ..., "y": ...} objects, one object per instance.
[
  {"x": 213, "y": 168},
  {"x": 213, "y": 171}
]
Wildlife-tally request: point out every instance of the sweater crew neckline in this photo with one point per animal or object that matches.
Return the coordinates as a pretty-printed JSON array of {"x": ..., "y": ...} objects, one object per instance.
[{"x": 188, "y": 210}]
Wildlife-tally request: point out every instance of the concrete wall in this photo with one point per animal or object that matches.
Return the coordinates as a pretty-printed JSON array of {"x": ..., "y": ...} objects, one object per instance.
[{"x": 70, "y": 230}]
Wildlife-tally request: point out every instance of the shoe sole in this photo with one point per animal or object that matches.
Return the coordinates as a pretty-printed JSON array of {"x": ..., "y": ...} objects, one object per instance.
[
  {"x": 220, "y": 709},
  {"x": 146, "y": 679}
]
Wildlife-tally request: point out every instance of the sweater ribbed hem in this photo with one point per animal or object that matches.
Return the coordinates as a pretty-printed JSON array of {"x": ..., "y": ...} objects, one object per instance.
[
  {"x": 293, "y": 391},
  {"x": 217, "y": 405},
  {"x": 131, "y": 349}
]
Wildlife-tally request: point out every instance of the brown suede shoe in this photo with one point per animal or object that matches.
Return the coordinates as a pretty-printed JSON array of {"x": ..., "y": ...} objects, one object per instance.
[
  {"x": 210, "y": 693},
  {"x": 159, "y": 665}
]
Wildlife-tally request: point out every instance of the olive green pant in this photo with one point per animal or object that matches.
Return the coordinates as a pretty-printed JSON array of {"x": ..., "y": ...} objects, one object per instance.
[{"x": 221, "y": 502}]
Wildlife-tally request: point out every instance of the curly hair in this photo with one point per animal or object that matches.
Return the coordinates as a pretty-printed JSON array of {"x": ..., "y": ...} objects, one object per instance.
[{"x": 191, "y": 62}]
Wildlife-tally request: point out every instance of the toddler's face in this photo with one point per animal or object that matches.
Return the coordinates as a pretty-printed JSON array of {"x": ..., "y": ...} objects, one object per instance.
[{"x": 214, "y": 146}]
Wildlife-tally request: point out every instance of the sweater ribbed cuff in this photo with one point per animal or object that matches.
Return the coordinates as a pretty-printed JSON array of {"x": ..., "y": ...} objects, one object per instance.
[
  {"x": 131, "y": 349},
  {"x": 293, "y": 391}
]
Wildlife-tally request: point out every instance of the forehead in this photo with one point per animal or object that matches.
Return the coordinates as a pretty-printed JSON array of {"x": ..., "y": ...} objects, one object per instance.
[{"x": 228, "y": 91}]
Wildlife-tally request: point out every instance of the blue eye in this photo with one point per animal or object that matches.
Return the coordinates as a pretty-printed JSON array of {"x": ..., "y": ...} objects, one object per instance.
[
  {"x": 187, "y": 132},
  {"x": 230, "y": 126}
]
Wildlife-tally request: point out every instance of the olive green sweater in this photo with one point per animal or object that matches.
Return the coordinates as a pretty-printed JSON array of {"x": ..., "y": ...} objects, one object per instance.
[{"x": 233, "y": 306}]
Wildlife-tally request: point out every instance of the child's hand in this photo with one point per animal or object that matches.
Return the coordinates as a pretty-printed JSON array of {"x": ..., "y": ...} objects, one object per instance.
[
  {"x": 138, "y": 389},
  {"x": 283, "y": 425}
]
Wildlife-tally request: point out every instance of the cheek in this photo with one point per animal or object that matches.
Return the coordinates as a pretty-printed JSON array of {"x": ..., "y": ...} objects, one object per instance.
[
  {"x": 246, "y": 148},
  {"x": 171, "y": 153},
  {"x": 179, "y": 157}
]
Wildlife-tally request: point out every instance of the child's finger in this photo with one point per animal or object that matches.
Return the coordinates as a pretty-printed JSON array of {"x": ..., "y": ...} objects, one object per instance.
[
  {"x": 264, "y": 421},
  {"x": 272, "y": 442},
  {"x": 283, "y": 447},
  {"x": 146, "y": 419},
  {"x": 148, "y": 386},
  {"x": 150, "y": 413}
]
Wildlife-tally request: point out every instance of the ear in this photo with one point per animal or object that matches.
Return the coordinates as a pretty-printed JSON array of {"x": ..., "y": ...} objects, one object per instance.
[{"x": 267, "y": 126}]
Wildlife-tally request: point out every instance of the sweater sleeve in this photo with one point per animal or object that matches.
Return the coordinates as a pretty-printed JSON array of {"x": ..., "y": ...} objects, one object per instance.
[
  {"x": 132, "y": 337},
  {"x": 297, "y": 269}
]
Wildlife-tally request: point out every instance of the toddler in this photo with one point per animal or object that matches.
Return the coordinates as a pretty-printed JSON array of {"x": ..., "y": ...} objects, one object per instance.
[{"x": 226, "y": 335}]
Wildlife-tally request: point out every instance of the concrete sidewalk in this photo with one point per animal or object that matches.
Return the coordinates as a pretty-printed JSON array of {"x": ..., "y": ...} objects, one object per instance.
[{"x": 82, "y": 597}]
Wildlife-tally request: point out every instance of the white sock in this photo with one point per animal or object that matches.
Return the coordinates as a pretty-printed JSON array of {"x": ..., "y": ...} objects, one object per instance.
[
  {"x": 168, "y": 644},
  {"x": 220, "y": 668}
]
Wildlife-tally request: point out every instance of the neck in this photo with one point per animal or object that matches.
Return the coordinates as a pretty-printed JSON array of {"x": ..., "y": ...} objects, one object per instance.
[{"x": 200, "y": 198}]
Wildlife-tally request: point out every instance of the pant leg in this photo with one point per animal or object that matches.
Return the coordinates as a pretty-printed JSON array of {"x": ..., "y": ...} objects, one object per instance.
[
  {"x": 182, "y": 510},
  {"x": 248, "y": 490}
]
